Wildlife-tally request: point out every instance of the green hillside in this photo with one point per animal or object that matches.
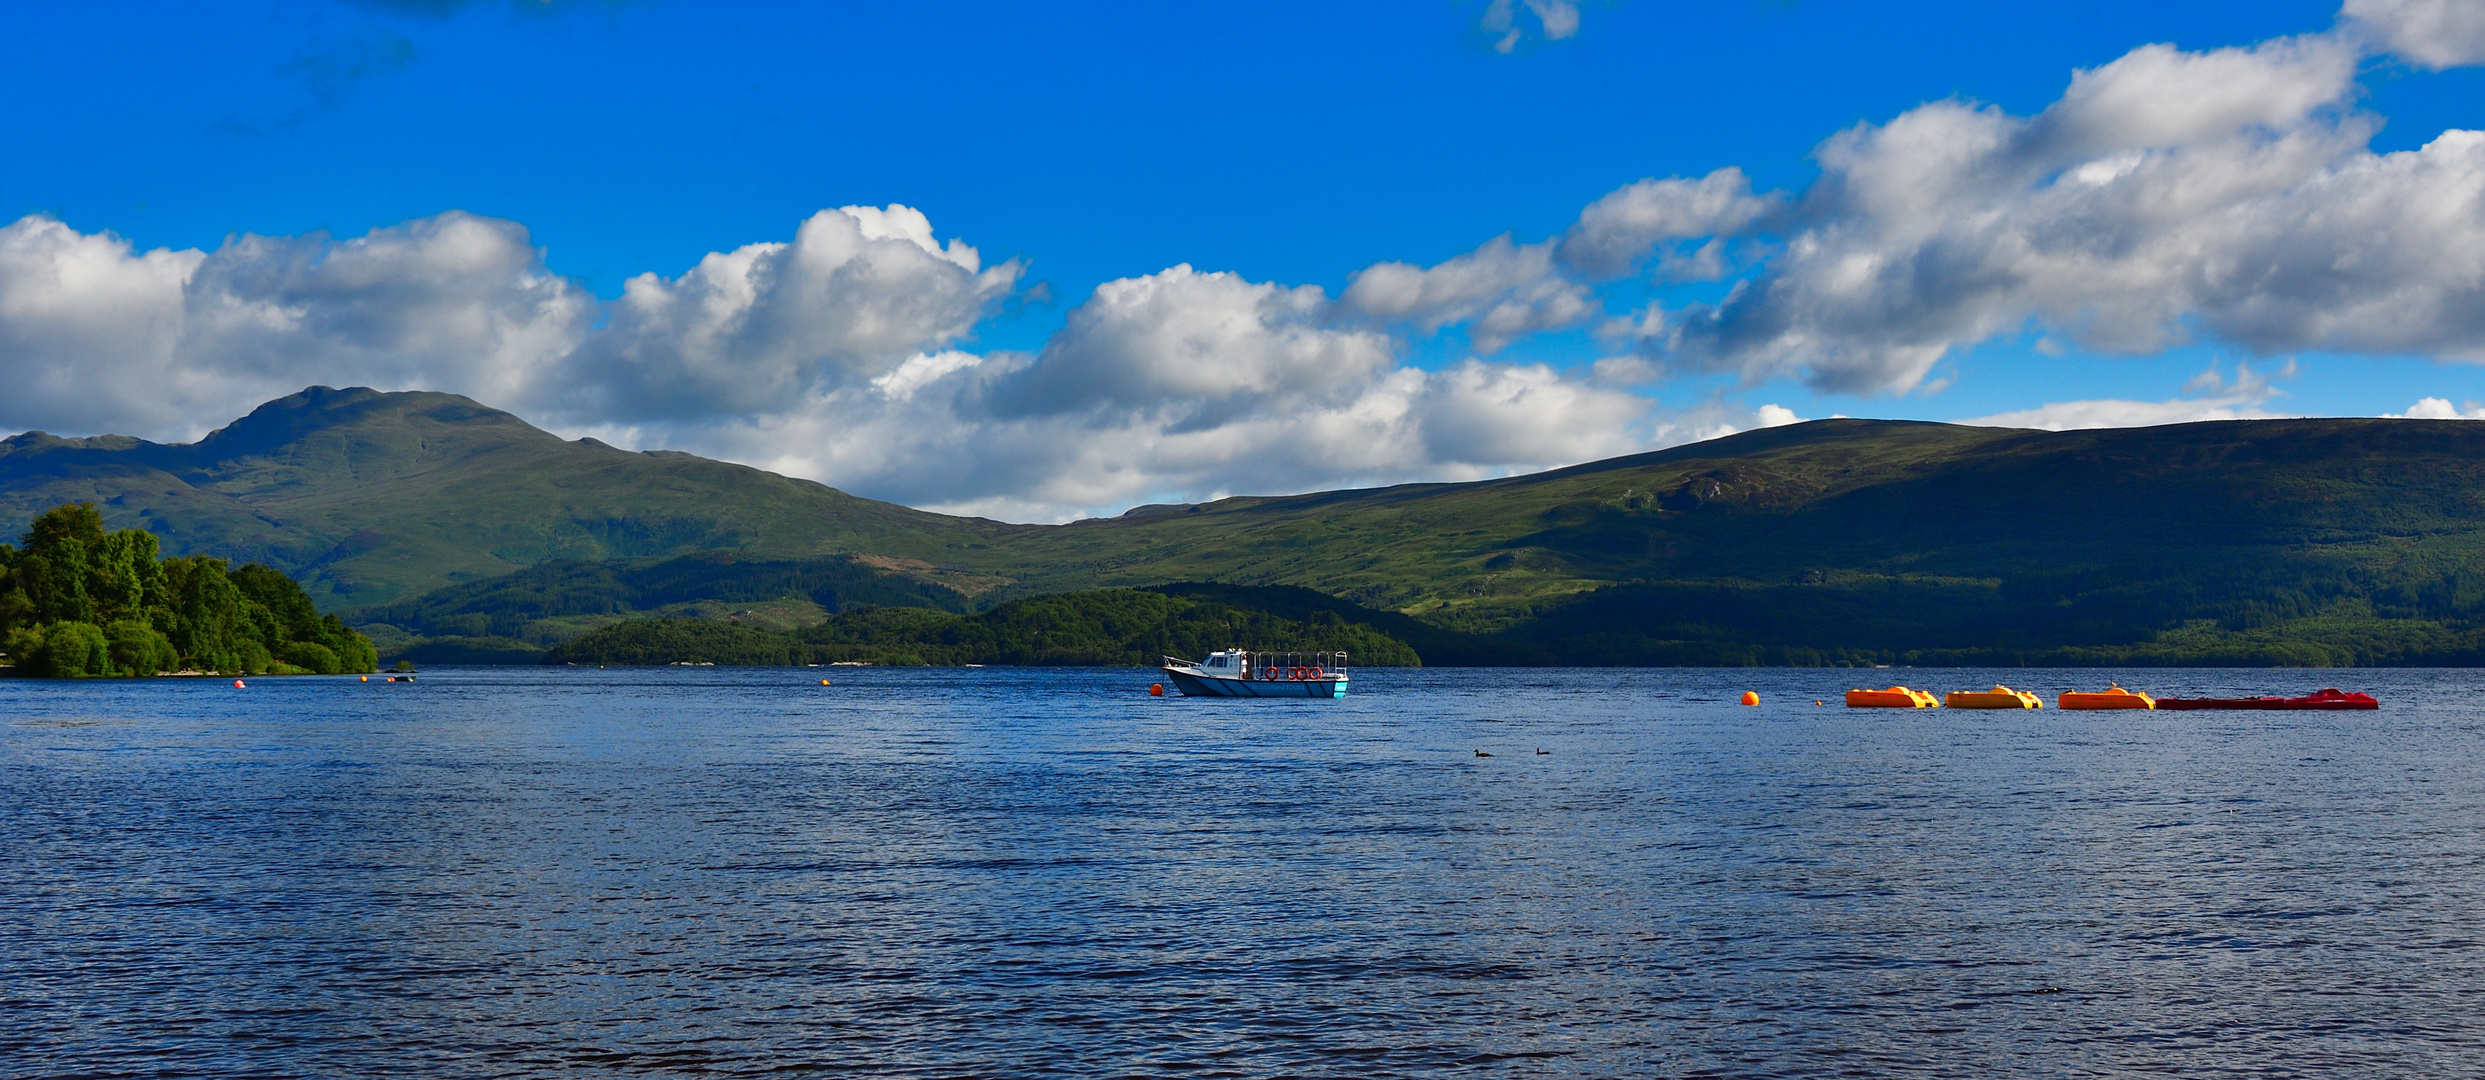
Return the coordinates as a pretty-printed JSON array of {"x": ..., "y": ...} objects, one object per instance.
[
  {"x": 2305, "y": 541},
  {"x": 1104, "y": 627},
  {"x": 2287, "y": 541},
  {"x": 369, "y": 498}
]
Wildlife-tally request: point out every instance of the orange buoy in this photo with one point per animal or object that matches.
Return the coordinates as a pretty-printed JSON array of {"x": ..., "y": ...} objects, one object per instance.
[
  {"x": 1751, "y": 697},
  {"x": 366, "y": 678},
  {"x": 237, "y": 684},
  {"x": 823, "y": 682},
  {"x": 1156, "y": 689}
]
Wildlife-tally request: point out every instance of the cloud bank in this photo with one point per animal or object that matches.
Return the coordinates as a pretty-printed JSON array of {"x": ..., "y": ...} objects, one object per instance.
[
  {"x": 2434, "y": 408},
  {"x": 2231, "y": 195},
  {"x": 2166, "y": 197},
  {"x": 833, "y": 355},
  {"x": 2432, "y": 34},
  {"x": 2210, "y": 396}
]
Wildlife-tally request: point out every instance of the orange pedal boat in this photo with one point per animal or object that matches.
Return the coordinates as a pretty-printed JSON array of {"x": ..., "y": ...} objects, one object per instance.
[
  {"x": 1896, "y": 697},
  {"x": 2000, "y": 697},
  {"x": 2113, "y": 697}
]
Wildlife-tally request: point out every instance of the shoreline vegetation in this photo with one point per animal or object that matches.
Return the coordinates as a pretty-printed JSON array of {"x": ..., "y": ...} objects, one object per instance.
[
  {"x": 77, "y": 601},
  {"x": 1133, "y": 627},
  {"x": 1101, "y": 628}
]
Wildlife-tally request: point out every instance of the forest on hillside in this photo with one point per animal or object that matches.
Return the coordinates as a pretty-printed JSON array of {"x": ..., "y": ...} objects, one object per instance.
[
  {"x": 1098, "y": 628},
  {"x": 78, "y": 601}
]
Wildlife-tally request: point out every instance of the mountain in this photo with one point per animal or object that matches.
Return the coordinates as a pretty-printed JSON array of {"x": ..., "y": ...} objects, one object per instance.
[
  {"x": 2284, "y": 541},
  {"x": 2295, "y": 541},
  {"x": 368, "y": 498}
]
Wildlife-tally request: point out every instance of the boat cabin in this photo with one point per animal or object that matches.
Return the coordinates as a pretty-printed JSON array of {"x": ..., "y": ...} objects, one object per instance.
[{"x": 1265, "y": 666}]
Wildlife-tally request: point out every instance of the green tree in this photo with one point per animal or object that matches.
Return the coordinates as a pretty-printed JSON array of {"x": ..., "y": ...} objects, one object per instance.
[
  {"x": 355, "y": 653},
  {"x": 62, "y": 547},
  {"x": 289, "y": 614},
  {"x": 312, "y": 656},
  {"x": 78, "y": 600},
  {"x": 209, "y": 627},
  {"x": 63, "y": 650},
  {"x": 137, "y": 648},
  {"x": 124, "y": 576},
  {"x": 16, "y": 608}
]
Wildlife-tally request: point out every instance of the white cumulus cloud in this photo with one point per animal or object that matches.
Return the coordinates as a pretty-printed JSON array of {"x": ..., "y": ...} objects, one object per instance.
[
  {"x": 1775, "y": 416},
  {"x": 2211, "y": 396},
  {"x": 2431, "y": 33},
  {"x": 839, "y": 355},
  {"x": 1502, "y": 291},
  {"x": 97, "y": 336},
  {"x": 1179, "y": 385},
  {"x": 2166, "y": 194},
  {"x": 1618, "y": 230},
  {"x": 857, "y": 292},
  {"x": 2434, "y": 408}
]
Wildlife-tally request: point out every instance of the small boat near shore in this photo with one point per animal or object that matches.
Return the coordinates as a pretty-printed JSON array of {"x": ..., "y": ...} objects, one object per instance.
[
  {"x": 1896, "y": 697},
  {"x": 2000, "y": 697},
  {"x": 2328, "y": 698},
  {"x": 1245, "y": 673},
  {"x": 2112, "y": 697}
]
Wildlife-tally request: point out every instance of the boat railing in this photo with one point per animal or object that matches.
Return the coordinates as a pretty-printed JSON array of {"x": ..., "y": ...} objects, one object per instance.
[{"x": 1293, "y": 666}]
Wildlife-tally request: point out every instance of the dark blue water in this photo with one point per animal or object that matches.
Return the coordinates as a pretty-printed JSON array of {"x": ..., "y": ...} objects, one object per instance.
[{"x": 1013, "y": 872}]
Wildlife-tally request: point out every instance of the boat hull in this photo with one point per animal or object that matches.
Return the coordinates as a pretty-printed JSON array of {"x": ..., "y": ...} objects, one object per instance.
[
  {"x": 2104, "y": 699},
  {"x": 1997, "y": 698},
  {"x": 1196, "y": 685},
  {"x": 2326, "y": 700},
  {"x": 1896, "y": 697}
]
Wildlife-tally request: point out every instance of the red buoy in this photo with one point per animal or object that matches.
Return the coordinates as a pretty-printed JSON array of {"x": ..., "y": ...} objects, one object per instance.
[
  {"x": 237, "y": 684},
  {"x": 1156, "y": 689}
]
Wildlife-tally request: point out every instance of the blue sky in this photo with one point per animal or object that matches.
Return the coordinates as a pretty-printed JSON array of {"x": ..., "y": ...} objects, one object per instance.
[{"x": 1283, "y": 145}]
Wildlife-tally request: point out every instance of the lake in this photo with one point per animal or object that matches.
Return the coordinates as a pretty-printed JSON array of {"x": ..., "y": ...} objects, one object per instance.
[{"x": 709, "y": 871}]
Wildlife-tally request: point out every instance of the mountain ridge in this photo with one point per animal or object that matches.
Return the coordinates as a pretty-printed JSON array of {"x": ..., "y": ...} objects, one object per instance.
[
  {"x": 306, "y": 482},
  {"x": 2360, "y": 540}
]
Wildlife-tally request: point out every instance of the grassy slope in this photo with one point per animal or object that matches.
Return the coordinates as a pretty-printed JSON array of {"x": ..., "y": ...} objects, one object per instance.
[
  {"x": 559, "y": 599},
  {"x": 1490, "y": 548},
  {"x": 370, "y": 498},
  {"x": 2314, "y": 541}
]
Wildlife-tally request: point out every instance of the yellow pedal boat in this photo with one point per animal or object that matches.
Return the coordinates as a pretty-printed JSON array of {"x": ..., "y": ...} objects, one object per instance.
[
  {"x": 2113, "y": 697},
  {"x": 1896, "y": 697},
  {"x": 2000, "y": 697}
]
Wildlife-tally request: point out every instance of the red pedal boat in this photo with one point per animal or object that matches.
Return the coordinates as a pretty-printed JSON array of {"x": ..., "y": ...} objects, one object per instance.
[{"x": 2332, "y": 698}]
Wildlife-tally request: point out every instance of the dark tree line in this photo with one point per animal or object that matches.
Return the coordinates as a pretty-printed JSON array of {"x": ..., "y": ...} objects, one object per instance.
[
  {"x": 77, "y": 600},
  {"x": 1105, "y": 627}
]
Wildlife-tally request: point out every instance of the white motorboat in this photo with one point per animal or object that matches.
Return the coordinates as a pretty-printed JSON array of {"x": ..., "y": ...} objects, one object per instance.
[{"x": 1243, "y": 673}]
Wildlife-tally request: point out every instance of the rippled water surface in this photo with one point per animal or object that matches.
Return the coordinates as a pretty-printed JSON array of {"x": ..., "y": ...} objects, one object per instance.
[{"x": 1014, "y": 872}]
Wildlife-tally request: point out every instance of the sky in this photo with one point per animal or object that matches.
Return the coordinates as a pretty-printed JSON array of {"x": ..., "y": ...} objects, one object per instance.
[{"x": 1040, "y": 262}]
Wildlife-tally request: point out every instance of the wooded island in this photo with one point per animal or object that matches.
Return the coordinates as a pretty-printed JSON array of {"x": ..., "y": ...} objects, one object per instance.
[{"x": 79, "y": 601}]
